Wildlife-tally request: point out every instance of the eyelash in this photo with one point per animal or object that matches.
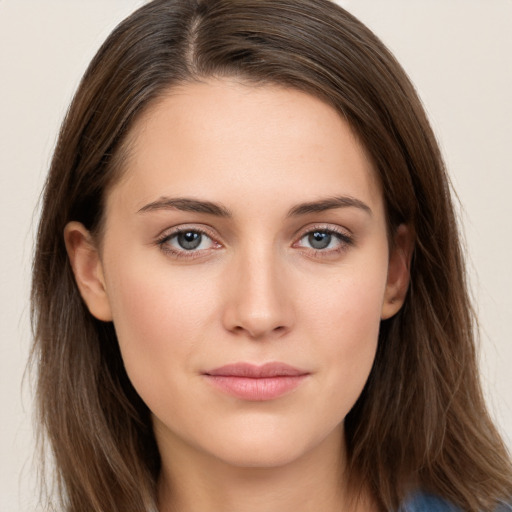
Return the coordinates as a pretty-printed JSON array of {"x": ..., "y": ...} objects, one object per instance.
[
  {"x": 344, "y": 239},
  {"x": 163, "y": 242}
]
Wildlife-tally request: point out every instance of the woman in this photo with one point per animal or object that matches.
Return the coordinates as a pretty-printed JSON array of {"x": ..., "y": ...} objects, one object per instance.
[{"x": 248, "y": 287}]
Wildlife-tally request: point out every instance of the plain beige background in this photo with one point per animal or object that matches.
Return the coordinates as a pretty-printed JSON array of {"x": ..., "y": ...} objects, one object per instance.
[{"x": 457, "y": 52}]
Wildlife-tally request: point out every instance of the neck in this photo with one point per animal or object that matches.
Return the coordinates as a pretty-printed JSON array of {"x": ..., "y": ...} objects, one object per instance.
[{"x": 191, "y": 481}]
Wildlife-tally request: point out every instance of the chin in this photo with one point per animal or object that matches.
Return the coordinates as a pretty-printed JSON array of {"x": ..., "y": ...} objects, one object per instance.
[
  {"x": 258, "y": 455},
  {"x": 272, "y": 447}
]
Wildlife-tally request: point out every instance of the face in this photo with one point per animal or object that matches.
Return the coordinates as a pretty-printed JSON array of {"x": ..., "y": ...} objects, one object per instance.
[{"x": 246, "y": 267}]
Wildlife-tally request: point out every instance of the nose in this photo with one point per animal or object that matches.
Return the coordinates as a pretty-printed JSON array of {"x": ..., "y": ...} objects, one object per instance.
[{"x": 258, "y": 300}]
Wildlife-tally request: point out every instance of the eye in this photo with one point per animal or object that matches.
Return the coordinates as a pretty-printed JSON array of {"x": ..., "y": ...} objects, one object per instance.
[
  {"x": 186, "y": 242},
  {"x": 327, "y": 240}
]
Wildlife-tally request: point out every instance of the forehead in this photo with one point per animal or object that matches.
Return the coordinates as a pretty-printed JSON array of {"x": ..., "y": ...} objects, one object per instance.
[{"x": 231, "y": 138}]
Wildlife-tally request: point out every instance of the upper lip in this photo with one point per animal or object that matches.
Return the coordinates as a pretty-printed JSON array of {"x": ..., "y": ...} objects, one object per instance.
[{"x": 254, "y": 371}]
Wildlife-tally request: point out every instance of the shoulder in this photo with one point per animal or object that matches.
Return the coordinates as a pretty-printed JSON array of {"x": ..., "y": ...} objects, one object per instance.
[{"x": 425, "y": 502}]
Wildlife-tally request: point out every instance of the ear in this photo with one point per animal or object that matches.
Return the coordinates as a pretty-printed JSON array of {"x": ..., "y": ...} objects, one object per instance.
[
  {"x": 88, "y": 270},
  {"x": 398, "y": 271}
]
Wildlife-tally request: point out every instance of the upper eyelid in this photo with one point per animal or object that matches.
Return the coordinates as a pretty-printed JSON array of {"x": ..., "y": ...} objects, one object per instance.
[
  {"x": 176, "y": 230},
  {"x": 331, "y": 228}
]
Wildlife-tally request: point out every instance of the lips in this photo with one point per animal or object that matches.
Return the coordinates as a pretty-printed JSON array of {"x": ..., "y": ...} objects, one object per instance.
[{"x": 256, "y": 383}]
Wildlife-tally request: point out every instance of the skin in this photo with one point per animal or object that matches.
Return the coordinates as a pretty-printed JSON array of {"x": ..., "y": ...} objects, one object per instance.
[{"x": 255, "y": 290}]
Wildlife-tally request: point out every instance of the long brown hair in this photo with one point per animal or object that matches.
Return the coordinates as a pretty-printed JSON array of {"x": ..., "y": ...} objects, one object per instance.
[{"x": 421, "y": 421}]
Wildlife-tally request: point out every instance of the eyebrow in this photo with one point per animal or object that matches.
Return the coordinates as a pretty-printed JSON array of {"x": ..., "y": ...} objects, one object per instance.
[
  {"x": 329, "y": 203},
  {"x": 199, "y": 206},
  {"x": 186, "y": 205}
]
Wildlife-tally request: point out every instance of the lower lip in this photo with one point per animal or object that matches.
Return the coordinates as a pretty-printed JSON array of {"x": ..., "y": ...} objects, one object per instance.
[{"x": 256, "y": 389}]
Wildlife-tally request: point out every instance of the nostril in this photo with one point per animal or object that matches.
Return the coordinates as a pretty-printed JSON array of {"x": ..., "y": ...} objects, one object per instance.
[
  {"x": 258, "y": 309},
  {"x": 258, "y": 332}
]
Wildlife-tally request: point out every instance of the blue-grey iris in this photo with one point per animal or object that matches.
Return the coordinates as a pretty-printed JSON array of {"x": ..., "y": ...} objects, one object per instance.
[
  {"x": 189, "y": 240},
  {"x": 319, "y": 239}
]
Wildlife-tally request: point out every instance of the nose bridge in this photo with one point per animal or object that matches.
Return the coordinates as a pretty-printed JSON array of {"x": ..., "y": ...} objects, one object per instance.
[{"x": 258, "y": 304}]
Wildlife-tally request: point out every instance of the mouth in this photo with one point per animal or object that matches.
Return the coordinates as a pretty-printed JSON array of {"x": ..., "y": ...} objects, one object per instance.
[{"x": 256, "y": 382}]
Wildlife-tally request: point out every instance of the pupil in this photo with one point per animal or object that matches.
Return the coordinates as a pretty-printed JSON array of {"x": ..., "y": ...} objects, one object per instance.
[
  {"x": 189, "y": 240},
  {"x": 319, "y": 239}
]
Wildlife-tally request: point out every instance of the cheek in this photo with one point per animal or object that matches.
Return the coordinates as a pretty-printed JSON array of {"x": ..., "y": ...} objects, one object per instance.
[
  {"x": 159, "y": 320},
  {"x": 347, "y": 304},
  {"x": 345, "y": 320}
]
